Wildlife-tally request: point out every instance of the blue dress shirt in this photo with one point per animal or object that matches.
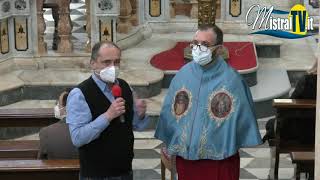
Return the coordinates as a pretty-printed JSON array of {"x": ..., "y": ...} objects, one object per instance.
[{"x": 82, "y": 128}]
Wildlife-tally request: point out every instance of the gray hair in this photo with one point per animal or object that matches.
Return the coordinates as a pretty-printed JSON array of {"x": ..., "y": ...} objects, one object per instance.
[
  {"x": 96, "y": 48},
  {"x": 218, "y": 34}
]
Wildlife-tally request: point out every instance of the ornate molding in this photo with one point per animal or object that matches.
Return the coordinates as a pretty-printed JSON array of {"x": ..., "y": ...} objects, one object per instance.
[
  {"x": 105, "y": 5},
  {"x": 6, "y": 7},
  {"x": 235, "y": 8},
  {"x": 154, "y": 8},
  {"x": 20, "y": 4},
  {"x": 4, "y": 36},
  {"x": 10, "y": 8},
  {"x": 207, "y": 12}
]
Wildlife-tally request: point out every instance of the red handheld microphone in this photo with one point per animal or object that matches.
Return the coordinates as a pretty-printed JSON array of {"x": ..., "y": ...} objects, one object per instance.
[{"x": 117, "y": 92}]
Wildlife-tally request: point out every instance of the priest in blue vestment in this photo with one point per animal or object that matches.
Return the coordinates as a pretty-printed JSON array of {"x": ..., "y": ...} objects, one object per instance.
[{"x": 208, "y": 114}]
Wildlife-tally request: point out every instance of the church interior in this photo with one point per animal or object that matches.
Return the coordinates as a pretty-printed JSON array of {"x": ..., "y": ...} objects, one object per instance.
[{"x": 46, "y": 46}]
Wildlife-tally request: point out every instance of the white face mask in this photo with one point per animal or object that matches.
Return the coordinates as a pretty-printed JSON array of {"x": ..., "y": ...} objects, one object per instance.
[
  {"x": 109, "y": 74},
  {"x": 200, "y": 57},
  {"x": 57, "y": 113}
]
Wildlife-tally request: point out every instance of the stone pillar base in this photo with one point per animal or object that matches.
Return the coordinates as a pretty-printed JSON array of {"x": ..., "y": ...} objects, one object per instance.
[
  {"x": 134, "y": 20},
  {"x": 124, "y": 25},
  {"x": 65, "y": 45},
  {"x": 42, "y": 47}
]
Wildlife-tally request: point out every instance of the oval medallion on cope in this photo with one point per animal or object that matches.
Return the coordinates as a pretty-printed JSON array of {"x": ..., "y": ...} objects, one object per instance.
[
  {"x": 181, "y": 103},
  {"x": 220, "y": 105}
]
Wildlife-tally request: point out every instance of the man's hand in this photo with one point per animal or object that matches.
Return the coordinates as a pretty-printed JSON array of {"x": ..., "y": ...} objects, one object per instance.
[
  {"x": 141, "y": 107},
  {"x": 116, "y": 109}
]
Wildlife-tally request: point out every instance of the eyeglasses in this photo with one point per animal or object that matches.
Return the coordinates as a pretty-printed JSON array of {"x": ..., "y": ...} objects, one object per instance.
[{"x": 203, "y": 46}]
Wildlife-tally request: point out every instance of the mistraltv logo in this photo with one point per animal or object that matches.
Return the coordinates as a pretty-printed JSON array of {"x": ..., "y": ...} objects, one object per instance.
[{"x": 296, "y": 25}]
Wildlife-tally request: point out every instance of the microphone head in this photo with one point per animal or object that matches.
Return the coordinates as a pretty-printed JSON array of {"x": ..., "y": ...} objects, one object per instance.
[{"x": 116, "y": 90}]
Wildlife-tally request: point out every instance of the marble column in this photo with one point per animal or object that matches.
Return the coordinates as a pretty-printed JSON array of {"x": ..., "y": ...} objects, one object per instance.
[
  {"x": 88, "y": 26},
  {"x": 42, "y": 46},
  {"x": 64, "y": 28},
  {"x": 172, "y": 10},
  {"x": 125, "y": 13},
  {"x": 134, "y": 18},
  {"x": 194, "y": 9},
  {"x": 317, "y": 141}
]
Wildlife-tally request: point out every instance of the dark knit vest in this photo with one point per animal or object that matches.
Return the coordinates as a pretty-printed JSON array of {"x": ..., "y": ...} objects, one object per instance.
[{"x": 111, "y": 153}]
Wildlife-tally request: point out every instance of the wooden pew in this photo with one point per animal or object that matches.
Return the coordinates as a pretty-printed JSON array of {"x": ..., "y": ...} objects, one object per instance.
[
  {"x": 39, "y": 169},
  {"x": 286, "y": 109},
  {"x": 33, "y": 117},
  {"x": 304, "y": 163},
  {"x": 22, "y": 149}
]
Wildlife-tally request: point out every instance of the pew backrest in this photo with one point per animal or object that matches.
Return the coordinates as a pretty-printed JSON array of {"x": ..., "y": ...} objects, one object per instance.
[
  {"x": 33, "y": 117},
  {"x": 291, "y": 111},
  {"x": 22, "y": 149},
  {"x": 39, "y": 169}
]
